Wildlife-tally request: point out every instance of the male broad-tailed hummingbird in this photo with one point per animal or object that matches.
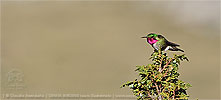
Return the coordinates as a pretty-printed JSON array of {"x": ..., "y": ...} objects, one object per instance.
[{"x": 158, "y": 42}]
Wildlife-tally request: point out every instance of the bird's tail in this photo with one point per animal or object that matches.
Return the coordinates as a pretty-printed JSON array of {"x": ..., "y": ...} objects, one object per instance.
[
  {"x": 175, "y": 49},
  {"x": 172, "y": 44},
  {"x": 180, "y": 50}
]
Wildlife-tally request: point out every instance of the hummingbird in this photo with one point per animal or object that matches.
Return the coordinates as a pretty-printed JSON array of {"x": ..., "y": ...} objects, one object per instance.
[{"x": 158, "y": 42}]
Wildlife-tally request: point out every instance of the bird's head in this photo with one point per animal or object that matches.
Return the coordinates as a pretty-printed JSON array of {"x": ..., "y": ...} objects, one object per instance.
[
  {"x": 151, "y": 38},
  {"x": 151, "y": 35}
]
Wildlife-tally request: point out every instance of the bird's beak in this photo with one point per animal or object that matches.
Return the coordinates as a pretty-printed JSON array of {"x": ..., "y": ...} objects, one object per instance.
[{"x": 144, "y": 37}]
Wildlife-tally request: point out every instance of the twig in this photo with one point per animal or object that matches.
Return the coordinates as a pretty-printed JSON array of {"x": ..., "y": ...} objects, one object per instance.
[
  {"x": 150, "y": 95},
  {"x": 160, "y": 65},
  {"x": 165, "y": 73},
  {"x": 174, "y": 93},
  {"x": 158, "y": 91},
  {"x": 166, "y": 64}
]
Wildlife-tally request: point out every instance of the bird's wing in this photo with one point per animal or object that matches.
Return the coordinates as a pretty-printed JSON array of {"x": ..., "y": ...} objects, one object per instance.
[{"x": 172, "y": 44}]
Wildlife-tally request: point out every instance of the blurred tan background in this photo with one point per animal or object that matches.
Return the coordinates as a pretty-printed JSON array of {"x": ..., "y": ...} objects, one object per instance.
[{"x": 92, "y": 47}]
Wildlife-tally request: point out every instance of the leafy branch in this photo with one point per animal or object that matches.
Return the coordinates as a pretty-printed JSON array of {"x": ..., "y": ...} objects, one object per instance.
[{"x": 159, "y": 80}]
